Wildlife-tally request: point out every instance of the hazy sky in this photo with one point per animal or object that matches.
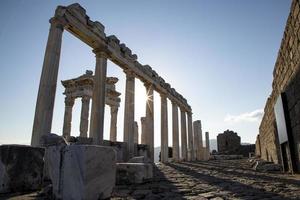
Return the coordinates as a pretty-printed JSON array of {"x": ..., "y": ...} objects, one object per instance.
[{"x": 218, "y": 54}]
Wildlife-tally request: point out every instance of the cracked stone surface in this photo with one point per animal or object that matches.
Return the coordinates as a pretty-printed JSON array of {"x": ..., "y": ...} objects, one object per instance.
[{"x": 214, "y": 180}]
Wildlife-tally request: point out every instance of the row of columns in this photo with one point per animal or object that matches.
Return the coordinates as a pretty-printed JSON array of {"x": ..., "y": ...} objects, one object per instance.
[{"x": 46, "y": 97}]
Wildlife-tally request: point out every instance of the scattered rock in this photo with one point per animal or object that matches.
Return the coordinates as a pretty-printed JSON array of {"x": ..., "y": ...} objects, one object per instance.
[{"x": 128, "y": 173}]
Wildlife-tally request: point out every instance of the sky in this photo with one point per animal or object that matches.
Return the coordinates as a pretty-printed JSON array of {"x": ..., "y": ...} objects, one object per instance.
[{"x": 218, "y": 54}]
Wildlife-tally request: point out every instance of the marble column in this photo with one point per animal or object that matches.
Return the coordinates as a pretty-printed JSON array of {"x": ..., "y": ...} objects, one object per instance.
[
  {"x": 149, "y": 135},
  {"x": 47, "y": 89},
  {"x": 198, "y": 146},
  {"x": 164, "y": 129},
  {"x": 143, "y": 134},
  {"x": 196, "y": 140},
  {"x": 183, "y": 135},
  {"x": 175, "y": 138},
  {"x": 69, "y": 102},
  {"x": 129, "y": 114},
  {"x": 191, "y": 156},
  {"x": 98, "y": 99},
  {"x": 113, "y": 123},
  {"x": 84, "y": 119},
  {"x": 136, "y": 133},
  {"x": 207, "y": 145}
]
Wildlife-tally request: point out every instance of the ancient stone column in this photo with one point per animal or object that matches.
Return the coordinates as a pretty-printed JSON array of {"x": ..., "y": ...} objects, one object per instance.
[
  {"x": 175, "y": 138},
  {"x": 84, "y": 119},
  {"x": 149, "y": 135},
  {"x": 113, "y": 123},
  {"x": 191, "y": 156},
  {"x": 136, "y": 133},
  {"x": 164, "y": 129},
  {"x": 98, "y": 99},
  {"x": 143, "y": 134},
  {"x": 198, "y": 139},
  {"x": 183, "y": 135},
  {"x": 69, "y": 102},
  {"x": 129, "y": 114},
  {"x": 47, "y": 89},
  {"x": 207, "y": 145}
]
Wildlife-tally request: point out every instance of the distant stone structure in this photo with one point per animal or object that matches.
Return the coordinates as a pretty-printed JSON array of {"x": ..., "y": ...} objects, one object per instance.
[
  {"x": 228, "y": 142},
  {"x": 279, "y": 132}
]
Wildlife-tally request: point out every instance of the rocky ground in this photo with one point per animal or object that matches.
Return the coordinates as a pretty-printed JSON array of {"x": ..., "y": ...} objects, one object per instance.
[
  {"x": 223, "y": 179},
  {"x": 231, "y": 179}
]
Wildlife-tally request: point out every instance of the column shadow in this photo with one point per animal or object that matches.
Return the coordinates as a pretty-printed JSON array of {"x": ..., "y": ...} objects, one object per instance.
[
  {"x": 237, "y": 188},
  {"x": 248, "y": 173}
]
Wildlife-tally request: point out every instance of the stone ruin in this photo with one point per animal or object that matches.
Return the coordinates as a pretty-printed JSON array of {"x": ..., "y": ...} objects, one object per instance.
[
  {"x": 229, "y": 143},
  {"x": 88, "y": 167}
]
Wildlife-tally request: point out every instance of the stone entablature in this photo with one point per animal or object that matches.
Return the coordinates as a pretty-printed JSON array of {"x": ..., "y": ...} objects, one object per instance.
[{"x": 74, "y": 19}]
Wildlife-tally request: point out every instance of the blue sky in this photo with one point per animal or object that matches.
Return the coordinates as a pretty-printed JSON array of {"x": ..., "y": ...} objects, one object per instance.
[{"x": 218, "y": 54}]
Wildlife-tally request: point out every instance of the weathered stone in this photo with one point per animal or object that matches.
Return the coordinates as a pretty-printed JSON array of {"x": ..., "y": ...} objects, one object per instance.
[
  {"x": 265, "y": 166},
  {"x": 134, "y": 172},
  {"x": 52, "y": 140},
  {"x": 139, "y": 159},
  {"x": 21, "y": 168},
  {"x": 81, "y": 171},
  {"x": 226, "y": 157}
]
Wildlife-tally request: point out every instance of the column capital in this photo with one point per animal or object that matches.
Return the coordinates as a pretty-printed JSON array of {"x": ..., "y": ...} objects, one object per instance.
[
  {"x": 58, "y": 22},
  {"x": 85, "y": 99},
  {"x": 148, "y": 85},
  {"x": 163, "y": 95},
  {"x": 100, "y": 53},
  {"x": 129, "y": 73},
  {"x": 174, "y": 103},
  {"x": 69, "y": 101}
]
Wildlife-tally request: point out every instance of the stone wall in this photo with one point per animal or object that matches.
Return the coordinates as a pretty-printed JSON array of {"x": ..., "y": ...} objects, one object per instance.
[
  {"x": 286, "y": 66},
  {"x": 228, "y": 142}
]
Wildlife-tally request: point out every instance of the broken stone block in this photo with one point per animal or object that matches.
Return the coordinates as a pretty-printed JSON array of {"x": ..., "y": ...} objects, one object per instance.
[
  {"x": 21, "y": 168},
  {"x": 265, "y": 166},
  {"x": 52, "y": 139},
  {"x": 81, "y": 171},
  {"x": 130, "y": 173}
]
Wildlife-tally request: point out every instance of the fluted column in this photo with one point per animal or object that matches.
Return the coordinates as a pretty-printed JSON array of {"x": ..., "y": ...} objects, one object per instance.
[
  {"x": 47, "y": 89},
  {"x": 129, "y": 114},
  {"x": 98, "y": 99},
  {"x": 149, "y": 135},
  {"x": 164, "y": 129},
  {"x": 191, "y": 156},
  {"x": 143, "y": 134},
  {"x": 183, "y": 135},
  {"x": 113, "y": 123},
  {"x": 69, "y": 102},
  {"x": 196, "y": 140},
  {"x": 84, "y": 119},
  {"x": 175, "y": 138}
]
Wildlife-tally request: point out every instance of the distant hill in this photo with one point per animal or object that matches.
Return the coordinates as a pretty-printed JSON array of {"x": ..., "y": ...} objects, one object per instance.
[{"x": 212, "y": 143}]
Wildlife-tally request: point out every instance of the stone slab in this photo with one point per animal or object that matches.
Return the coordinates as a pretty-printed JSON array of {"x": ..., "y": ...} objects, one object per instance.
[
  {"x": 130, "y": 173},
  {"x": 81, "y": 171},
  {"x": 21, "y": 168}
]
